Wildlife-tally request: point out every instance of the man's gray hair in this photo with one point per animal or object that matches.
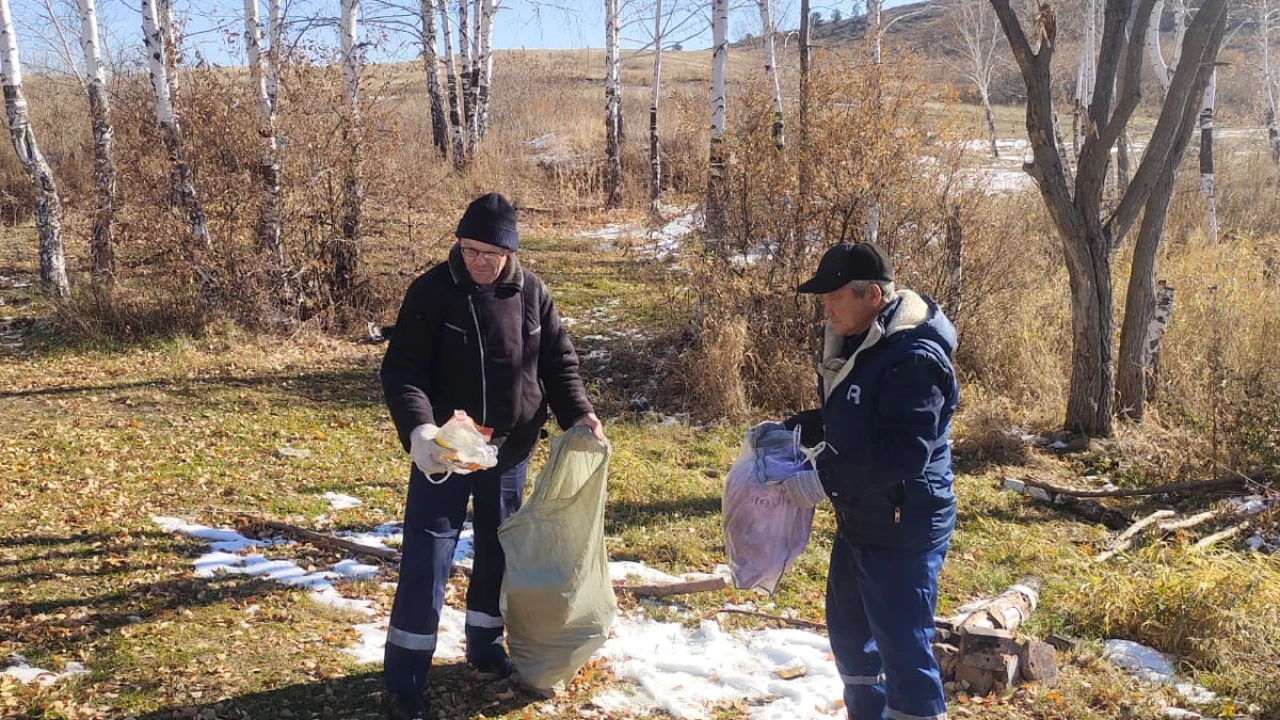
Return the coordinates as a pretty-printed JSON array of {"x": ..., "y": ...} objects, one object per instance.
[{"x": 860, "y": 287}]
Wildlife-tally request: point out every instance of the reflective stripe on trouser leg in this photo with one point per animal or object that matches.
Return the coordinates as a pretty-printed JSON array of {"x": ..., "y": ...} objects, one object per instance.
[
  {"x": 857, "y": 658},
  {"x": 900, "y": 595},
  {"x": 895, "y": 715},
  {"x": 433, "y": 518},
  {"x": 495, "y": 496}
]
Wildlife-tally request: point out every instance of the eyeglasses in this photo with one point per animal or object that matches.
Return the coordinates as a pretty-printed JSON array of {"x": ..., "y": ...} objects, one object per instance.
[{"x": 472, "y": 254}]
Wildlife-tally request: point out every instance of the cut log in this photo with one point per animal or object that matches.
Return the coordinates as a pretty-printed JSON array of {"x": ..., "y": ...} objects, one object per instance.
[
  {"x": 948, "y": 658},
  {"x": 986, "y": 648},
  {"x": 1125, "y": 539},
  {"x": 981, "y": 681},
  {"x": 681, "y": 588},
  {"x": 1006, "y": 611}
]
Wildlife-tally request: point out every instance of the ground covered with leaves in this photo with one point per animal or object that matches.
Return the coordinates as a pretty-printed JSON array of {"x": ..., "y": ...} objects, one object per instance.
[{"x": 96, "y": 440}]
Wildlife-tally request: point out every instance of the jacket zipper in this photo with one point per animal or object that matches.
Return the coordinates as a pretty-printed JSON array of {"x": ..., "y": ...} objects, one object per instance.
[{"x": 484, "y": 381}]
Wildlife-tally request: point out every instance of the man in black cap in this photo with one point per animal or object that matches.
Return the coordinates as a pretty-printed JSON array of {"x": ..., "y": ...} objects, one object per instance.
[
  {"x": 477, "y": 333},
  {"x": 888, "y": 392}
]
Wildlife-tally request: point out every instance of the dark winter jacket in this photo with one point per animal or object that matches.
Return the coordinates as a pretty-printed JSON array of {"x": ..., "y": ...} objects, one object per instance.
[
  {"x": 886, "y": 414},
  {"x": 498, "y": 352}
]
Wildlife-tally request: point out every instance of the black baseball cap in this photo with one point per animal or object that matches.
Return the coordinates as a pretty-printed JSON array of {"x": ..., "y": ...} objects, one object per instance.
[{"x": 846, "y": 262}]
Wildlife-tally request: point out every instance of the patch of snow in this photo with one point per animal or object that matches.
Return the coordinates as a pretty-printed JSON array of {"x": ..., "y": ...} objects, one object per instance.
[
  {"x": 599, "y": 354},
  {"x": 24, "y": 673},
  {"x": 450, "y": 638},
  {"x": 384, "y": 535},
  {"x": 355, "y": 570},
  {"x": 686, "y": 672},
  {"x": 1249, "y": 505},
  {"x": 338, "y": 501},
  {"x": 222, "y": 540}
]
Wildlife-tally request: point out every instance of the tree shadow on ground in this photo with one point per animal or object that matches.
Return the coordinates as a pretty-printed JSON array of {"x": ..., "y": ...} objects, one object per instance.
[
  {"x": 349, "y": 388},
  {"x": 455, "y": 691}
]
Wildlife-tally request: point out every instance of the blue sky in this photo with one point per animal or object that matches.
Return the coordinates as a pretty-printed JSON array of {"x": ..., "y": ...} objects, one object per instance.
[{"x": 213, "y": 27}]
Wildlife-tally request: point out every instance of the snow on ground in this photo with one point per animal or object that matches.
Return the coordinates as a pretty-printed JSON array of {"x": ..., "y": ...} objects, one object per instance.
[
  {"x": 674, "y": 670},
  {"x": 338, "y": 501},
  {"x": 686, "y": 672},
  {"x": 24, "y": 673},
  {"x": 656, "y": 242},
  {"x": 1158, "y": 668}
]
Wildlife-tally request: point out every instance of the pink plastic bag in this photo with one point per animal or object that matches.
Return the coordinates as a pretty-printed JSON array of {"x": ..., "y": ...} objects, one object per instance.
[{"x": 764, "y": 532}]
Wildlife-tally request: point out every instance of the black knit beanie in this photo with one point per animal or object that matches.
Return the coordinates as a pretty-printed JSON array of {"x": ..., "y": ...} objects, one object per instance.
[{"x": 490, "y": 219}]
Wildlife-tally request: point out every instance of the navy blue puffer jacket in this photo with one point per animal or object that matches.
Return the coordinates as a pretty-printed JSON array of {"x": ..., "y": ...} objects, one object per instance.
[{"x": 887, "y": 406}]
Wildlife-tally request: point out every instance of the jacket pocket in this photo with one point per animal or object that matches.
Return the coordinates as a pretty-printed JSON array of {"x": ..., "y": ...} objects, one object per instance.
[{"x": 461, "y": 332}]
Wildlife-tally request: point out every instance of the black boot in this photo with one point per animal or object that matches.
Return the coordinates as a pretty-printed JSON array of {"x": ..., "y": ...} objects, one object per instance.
[{"x": 404, "y": 707}]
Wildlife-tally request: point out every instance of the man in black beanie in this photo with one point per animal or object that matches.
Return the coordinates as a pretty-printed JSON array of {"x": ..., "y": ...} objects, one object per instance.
[{"x": 477, "y": 333}]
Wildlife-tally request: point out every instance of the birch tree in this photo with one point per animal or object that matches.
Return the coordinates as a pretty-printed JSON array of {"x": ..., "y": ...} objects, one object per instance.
[
  {"x": 484, "y": 65},
  {"x": 716, "y": 216},
  {"x": 275, "y": 48},
  {"x": 803, "y": 112},
  {"x": 612, "y": 105},
  {"x": 48, "y": 207},
  {"x": 1268, "y": 22},
  {"x": 270, "y": 215},
  {"x": 1206, "y": 157},
  {"x": 771, "y": 70},
  {"x": 101, "y": 244},
  {"x": 431, "y": 60},
  {"x": 979, "y": 47},
  {"x": 452, "y": 88},
  {"x": 1076, "y": 208},
  {"x": 875, "y": 31},
  {"x": 182, "y": 185},
  {"x": 467, "y": 57},
  {"x": 346, "y": 255},
  {"x": 655, "y": 158}
]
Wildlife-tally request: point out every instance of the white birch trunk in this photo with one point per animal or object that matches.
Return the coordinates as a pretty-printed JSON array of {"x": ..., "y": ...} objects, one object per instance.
[
  {"x": 48, "y": 207},
  {"x": 1267, "y": 17},
  {"x": 431, "y": 62},
  {"x": 771, "y": 70},
  {"x": 104, "y": 163},
  {"x": 874, "y": 30},
  {"x": 1159, "y": 67},
  {"x": 484, "y": 67},
  {"x": 275, "y": 49},
  {"x": 655, "y": 158},
  {"x": 451, "y": 87},
  {"x": 181, "y": 183},
  {"x": 1206, "y": 157},
  {"x": 871, "y": 224},
  {"x": 164, "y": 10},
  {"x": 612, "y": 105},
  {"x": 468, "y": 67},
  {"x": 1155, "y": 336},
  {"x": 1086, "y": 79},
  {"x": 270, "y": 216},
  {"x": 346, "y": 253},
  {"x": 802, "y": 111},
  {"x": 716, "y": 216}
]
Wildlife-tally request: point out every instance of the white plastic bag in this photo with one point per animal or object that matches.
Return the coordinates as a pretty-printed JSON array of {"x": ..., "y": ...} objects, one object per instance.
[
  {"x": 765, "y": 529},
  {"x": 469, "y": 443},
  {"x": 557, "y": 599}
]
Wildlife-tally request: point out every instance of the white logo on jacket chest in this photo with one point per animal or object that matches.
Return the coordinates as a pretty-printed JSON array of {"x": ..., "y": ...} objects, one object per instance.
[{"x": 854, "y": 395}]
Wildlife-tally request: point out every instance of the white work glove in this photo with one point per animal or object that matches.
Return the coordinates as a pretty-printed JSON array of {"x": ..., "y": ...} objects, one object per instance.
[{"x": 426, "y": 452}]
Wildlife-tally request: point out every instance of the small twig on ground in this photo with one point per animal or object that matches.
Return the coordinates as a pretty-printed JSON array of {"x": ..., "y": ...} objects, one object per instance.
[
  {"x": 1125, "y": 539},
  {"x": 1192, "y": 521},
  {"x": 680, "y": 588},
  {"x": 776, "y": 618},
  {"x": 1210, "y": 540},
  {"x": 321, "y": 539}
]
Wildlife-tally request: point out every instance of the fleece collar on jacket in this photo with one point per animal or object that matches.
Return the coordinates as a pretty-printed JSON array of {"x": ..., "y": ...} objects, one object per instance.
[
  {"x": 511, "y": 275},
  {"x": 906, "y": 311}
]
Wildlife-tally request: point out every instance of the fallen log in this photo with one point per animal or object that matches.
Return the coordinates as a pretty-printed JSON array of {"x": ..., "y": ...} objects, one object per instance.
[
  {"x": 680, "y": 588},
  {"x": 1230, "y": 482},
  {"x": 1125, "y": 539}
]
